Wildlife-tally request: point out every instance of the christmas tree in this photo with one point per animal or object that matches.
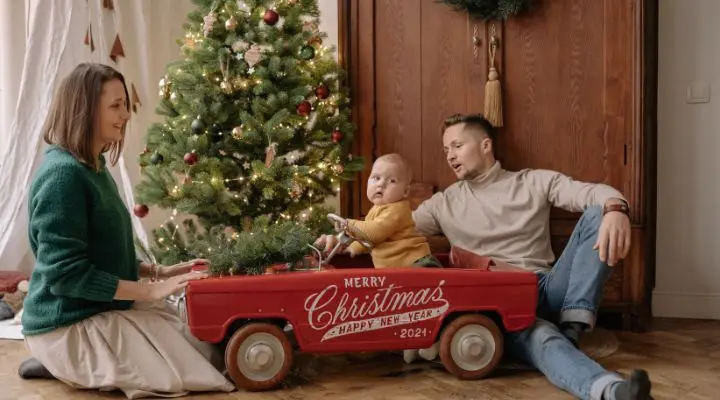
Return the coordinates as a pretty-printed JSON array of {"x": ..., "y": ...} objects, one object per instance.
[{"x": 256, "y": 135}]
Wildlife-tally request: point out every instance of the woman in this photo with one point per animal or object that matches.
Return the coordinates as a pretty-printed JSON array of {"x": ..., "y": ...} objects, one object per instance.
[{"x": 88, "y": 320}]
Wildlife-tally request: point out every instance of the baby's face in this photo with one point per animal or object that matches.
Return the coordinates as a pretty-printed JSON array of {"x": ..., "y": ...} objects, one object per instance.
[{"x": 387, "y": 183}]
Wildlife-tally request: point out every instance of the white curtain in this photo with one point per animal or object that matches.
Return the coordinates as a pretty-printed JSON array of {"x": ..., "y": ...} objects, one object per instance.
[{"x": 41, "y": 41}]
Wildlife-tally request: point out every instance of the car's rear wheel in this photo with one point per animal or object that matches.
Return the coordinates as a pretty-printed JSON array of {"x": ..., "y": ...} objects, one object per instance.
[
  {"x": 471, "y": 346},
  {"x": 258, "y": 356}
]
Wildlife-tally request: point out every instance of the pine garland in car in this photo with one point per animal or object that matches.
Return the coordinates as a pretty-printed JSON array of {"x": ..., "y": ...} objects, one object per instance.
[
  {"x": 234, "y": 252},
  {"x": 490, "y": 9}
]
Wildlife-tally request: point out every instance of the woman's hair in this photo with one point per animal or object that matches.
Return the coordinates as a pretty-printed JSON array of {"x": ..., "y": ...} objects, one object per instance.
[{"x": 73, "y": 115}]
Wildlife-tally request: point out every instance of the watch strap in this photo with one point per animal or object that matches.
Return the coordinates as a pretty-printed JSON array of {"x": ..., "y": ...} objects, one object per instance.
[{"x": 621, "y": 207}]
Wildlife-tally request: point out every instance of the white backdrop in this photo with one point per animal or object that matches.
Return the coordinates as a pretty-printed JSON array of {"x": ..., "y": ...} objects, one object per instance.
[{"x": 41, "y": 41}]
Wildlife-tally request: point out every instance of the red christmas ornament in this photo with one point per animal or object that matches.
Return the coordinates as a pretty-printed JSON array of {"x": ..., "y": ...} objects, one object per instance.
[
  {"x": 271, "y": 17},
  {"x": 190, "y": 158},
  {"x": 337, "y": 136},
  {"x": 304, "y": 108},
  {"x": 140, "y": 210},
  {"x": 322, "y": 92}
]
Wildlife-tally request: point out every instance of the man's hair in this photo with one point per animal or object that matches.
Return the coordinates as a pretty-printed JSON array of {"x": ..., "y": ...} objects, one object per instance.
[
  {"x": 72, "y": 118},
  {"x": 400, "y": 161},
  {"x": 475, "y": 123}
]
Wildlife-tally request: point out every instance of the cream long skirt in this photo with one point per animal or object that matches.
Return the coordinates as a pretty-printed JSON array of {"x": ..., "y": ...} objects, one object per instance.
[{"x": 146, "y": 351}]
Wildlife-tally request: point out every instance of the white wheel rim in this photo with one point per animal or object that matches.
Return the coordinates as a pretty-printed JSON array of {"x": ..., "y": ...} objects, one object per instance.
[
  {"x": 260, "y": 357},
  {"x": 472, "y": 347}
]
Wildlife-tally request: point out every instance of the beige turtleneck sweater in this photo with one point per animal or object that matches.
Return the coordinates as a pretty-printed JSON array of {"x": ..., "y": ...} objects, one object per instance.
[{"x": 505, "y": 215}]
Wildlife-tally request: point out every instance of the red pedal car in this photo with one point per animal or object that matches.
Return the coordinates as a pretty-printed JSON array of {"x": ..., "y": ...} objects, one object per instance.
[{"x": 342, "y": 308}]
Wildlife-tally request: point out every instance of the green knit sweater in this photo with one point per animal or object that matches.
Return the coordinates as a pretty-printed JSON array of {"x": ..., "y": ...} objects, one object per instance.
[{"x": 81, "y": 235}]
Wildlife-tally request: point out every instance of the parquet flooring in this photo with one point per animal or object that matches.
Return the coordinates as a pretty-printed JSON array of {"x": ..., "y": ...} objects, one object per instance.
[{"x": 682, "y": 356}]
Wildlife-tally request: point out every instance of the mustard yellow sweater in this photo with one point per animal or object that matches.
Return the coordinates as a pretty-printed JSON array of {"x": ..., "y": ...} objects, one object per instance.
[{"x": 391, "y": 230}]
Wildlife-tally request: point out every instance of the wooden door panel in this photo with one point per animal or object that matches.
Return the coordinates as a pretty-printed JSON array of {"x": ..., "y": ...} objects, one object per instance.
[
  {"x": 398, "y": 80},
  {"x": 447, "y": 59},
  {"x": 553, "y": 75}
]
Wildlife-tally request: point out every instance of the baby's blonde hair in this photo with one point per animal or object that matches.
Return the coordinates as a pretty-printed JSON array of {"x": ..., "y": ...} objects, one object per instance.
[{"x": 400, "y": 161}]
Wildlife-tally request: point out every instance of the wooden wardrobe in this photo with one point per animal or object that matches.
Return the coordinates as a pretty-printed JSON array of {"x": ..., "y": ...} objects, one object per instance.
[{"x": 579, "y": 97}]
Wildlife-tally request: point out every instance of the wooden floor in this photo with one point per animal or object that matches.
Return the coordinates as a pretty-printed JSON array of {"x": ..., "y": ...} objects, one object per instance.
[{"x": 682, "y": 356}]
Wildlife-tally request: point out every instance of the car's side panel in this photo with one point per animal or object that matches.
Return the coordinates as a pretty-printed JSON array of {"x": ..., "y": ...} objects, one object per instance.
[{"x": 361, "y": 309}]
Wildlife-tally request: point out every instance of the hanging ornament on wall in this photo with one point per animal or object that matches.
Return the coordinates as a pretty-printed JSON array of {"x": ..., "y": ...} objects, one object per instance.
[
  {"x": 135, "y": 100},
  {"x": 117, "y": 49},
  {"x": 89, "y": 39},
  {"x": 491, "y": 9},
  {"x": 493, "y": 90}
]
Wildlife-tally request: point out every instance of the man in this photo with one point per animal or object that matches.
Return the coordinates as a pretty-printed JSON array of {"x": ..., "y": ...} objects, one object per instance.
[{"x": 505, "y": 215}]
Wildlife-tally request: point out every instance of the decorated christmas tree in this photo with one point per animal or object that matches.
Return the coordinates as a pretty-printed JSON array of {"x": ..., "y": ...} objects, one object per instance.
[{"x": 256, "y": 135}]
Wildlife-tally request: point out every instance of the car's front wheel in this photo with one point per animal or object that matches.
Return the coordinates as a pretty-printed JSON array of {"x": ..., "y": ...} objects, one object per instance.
[
  {"x": 258, "y": 356},
  {"x": 471, "y": 346}
]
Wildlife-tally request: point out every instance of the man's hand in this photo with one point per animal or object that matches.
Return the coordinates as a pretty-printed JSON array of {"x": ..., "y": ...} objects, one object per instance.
[{"x": 614, "y": 237}]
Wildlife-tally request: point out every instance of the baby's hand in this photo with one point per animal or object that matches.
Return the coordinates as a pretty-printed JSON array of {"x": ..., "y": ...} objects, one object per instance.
[
  {"x": 326, "y": 243},
  {"x": 341, "y": 226}
]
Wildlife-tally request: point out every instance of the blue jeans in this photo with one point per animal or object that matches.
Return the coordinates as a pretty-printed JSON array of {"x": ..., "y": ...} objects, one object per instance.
[{"x": 570, "y": 292}]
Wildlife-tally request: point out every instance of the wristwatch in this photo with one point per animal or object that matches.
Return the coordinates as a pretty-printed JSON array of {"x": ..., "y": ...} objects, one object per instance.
[{"x": 622, "y": 207}]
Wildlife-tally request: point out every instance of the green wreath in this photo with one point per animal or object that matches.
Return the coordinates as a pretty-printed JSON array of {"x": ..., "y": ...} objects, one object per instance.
[{"x": 491, "y": 9}]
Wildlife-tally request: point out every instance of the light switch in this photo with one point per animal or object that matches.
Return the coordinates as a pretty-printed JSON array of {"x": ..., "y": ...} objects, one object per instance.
[{"x": 698, "y": 92}]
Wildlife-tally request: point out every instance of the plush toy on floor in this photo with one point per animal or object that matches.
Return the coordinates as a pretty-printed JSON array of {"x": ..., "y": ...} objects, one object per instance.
[{"x": 11, "y": 303}]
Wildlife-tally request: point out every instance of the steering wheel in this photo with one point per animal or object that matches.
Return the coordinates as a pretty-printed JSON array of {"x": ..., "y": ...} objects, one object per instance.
[
  {"x": 346, "y": 232},
  {"x": 344, "y": 238}
]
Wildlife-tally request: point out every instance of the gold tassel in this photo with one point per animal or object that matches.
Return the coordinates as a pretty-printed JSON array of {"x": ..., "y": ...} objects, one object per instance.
[{"x": 493, "y": 89}]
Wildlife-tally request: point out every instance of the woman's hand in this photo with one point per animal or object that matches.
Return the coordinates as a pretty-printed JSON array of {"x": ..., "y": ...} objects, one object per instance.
[
  {"x": 173, "y": 285},
  {"x": 180, "y": 268},
  {"x": 153, "y": 291}
]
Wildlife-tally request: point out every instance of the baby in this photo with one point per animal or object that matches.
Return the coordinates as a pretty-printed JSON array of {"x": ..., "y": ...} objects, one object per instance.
[
  {"x": 390, "y": 229},
  {"x": 389, "y": 226}
]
